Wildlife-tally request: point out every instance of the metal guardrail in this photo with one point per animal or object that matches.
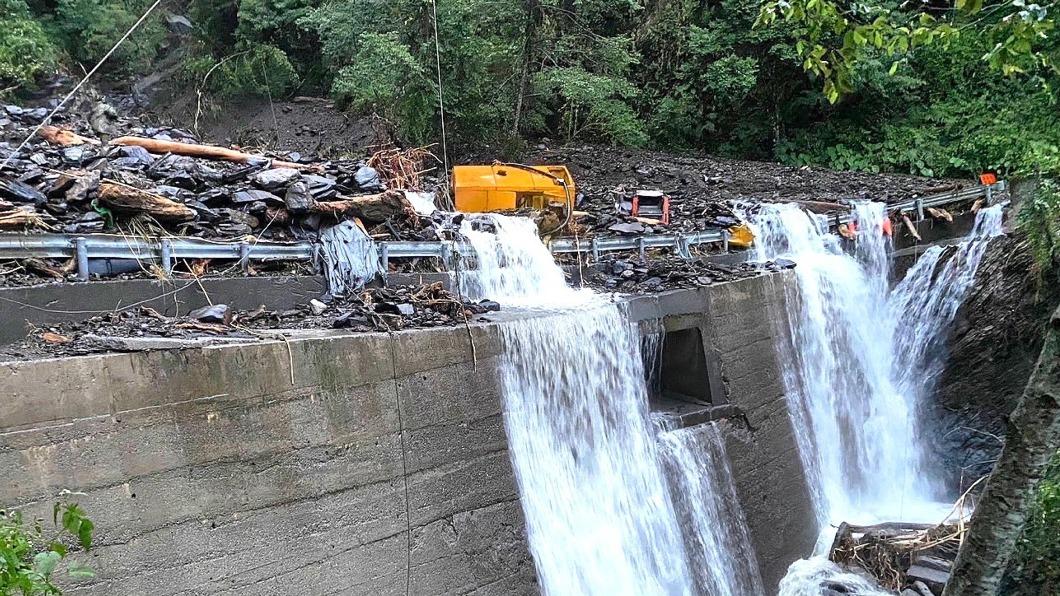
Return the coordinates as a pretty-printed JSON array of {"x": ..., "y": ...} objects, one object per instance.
[
  {"x": 165, "y": 250},
  {"x": 918, "y": 205}
]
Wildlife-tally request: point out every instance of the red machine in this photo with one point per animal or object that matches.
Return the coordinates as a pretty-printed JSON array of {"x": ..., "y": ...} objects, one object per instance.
[{"x": 651, "y": 203}]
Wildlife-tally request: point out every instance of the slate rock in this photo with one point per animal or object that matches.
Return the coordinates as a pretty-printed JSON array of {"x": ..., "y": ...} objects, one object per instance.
[
  {"x": 367, "y": 178},
  {"x": 253, "y": 195},
  {"x": 322, "y": 188},
  {"x": 179, "y": 24},
  {"x": 299, "y": 199},
  {"x": 21, "y": 193},
  {"x": 275, "y": 178},
  {"x": 627, "y": 228}
]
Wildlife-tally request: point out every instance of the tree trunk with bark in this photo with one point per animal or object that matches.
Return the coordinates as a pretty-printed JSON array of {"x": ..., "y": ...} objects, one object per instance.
[{"x": 1031, "y": 442}]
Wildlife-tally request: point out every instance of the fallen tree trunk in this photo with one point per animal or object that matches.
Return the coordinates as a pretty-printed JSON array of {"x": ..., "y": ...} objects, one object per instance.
[
  {"x": 819, "y": 207},
  {"x": 206, "y": 151},
  {"x": 375, "y": 208},
  {"x": 21, "y": 218},
  {"x": 940, "y": 214},
  {"x": 127, "y": 198},
  {"x": 1030, "y": 443},
  {"x": 63, "y": 137}
]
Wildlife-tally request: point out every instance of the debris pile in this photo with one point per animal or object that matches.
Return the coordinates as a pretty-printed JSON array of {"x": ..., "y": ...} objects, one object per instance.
[
  {"x": 702, "y": 188},
  {"x": 76, "y": 177},
  {"x": 375, "y": 309},
  {"x": 662, "y": 273},
  {"x": 914, "y": 559}
]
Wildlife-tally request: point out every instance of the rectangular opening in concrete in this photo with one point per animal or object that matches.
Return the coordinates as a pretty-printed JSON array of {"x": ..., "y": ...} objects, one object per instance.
[{"x": 683, "y": 371}]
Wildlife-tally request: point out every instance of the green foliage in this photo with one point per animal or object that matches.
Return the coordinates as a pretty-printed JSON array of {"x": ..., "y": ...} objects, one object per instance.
[
  {"x": 30, "y": 557},
  {"x": 384, "y": 77},
  {"x": 1035, "y": 568},
  {"x": 89, "y": 28},
  {"x": 260, "y": 71},
  {"x": 592, "y": 105},
  {"x": 1039, "y": 221},
  {"x": 944, "y": 114},
  {"x": 25, "y": 49},
  {"x": 834, "y": 36}
]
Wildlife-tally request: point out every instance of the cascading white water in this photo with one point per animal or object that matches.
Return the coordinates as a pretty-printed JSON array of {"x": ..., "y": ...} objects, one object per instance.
[
  {"x": 598, "y": 513},
  {"x": 855, "y": 429},
  {"x": 927, "y": 299},
  {"x": 723, "y": 562},
  {"x": 862, "y": 358}
]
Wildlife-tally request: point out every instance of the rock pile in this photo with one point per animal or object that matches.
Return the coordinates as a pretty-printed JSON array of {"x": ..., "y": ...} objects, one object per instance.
[
  {"x": 662, "y": 273},
  {"x": 375, "y": 309},
  {"x": 73, "y": 178}
]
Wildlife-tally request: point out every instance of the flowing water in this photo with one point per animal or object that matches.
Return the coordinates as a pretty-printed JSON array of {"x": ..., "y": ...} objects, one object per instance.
[
  {"x": 593, "y": 487},
  {"x": 598, "y": 514},
  {"x": 861, "y": 358},
  {"x": 855, "y": 429},
  {"x": 723, "y": 561}
]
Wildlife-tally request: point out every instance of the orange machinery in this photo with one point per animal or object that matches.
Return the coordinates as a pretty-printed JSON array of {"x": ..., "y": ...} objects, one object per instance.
[{"x": 506, "y": 186}]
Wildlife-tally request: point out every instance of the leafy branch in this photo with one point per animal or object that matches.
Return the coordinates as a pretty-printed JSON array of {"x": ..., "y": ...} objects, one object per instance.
[{"x": 30, "y": 557}]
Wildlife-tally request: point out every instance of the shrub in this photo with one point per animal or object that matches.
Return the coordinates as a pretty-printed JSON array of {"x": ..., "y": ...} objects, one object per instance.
[
  {"x": 29, "y": 557},
  {"x": 257, "y": 72},
  {"x": 91, "y": 28}
]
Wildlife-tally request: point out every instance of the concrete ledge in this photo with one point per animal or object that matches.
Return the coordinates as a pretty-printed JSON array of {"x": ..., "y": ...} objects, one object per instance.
[{"x": 350, "y": 462}]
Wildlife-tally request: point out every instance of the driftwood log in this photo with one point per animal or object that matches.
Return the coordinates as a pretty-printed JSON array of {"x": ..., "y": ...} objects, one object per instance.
[
  {"x": 127, "y": 198},
  {"x": 205, "y": 151},
  {"x": 373, "y": 209}
]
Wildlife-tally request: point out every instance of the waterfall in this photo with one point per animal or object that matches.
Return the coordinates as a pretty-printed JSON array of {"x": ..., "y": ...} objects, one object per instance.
[
  {"x": 861, "y": 359},
  {"x": 855, "y": 430},
  {"x": 723, "y": 562},
  {"x": 601, "y": 517},
  {"x": 927, "y": 299},
  {"x": 598, "y": 513}
]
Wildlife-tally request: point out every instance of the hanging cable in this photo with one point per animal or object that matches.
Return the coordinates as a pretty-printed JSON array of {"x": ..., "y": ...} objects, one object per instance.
[
  {"x": 48, "y": 119},
  {"x": 441, "y": 102}
]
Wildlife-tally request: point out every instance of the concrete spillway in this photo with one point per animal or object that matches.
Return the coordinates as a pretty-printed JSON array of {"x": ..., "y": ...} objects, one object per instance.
[
  {"x": 514, "y": 457},
  {"x": 383, "y": 464}
]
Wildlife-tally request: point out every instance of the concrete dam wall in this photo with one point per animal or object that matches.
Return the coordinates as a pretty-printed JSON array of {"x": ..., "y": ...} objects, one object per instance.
[{"x": 360, "y": 463}]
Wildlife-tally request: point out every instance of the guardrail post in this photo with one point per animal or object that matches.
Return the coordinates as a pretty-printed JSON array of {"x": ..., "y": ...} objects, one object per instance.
[
  {"x": 640, "y": 248},
  {"x": 447, "y": 255},
  {"x": 989, "y": 195},
  {"x": 384, "y": 257},
  {"x": 595, "y": 245},
  {"x": 81, "y": 250},
  {"x": 167, "y": 256},
  {"x": 725, "y": 241},
  {"x": 684, "y": 246},
  {"x": 919, "y": 203},
  {"x": 244, "y": 256}
]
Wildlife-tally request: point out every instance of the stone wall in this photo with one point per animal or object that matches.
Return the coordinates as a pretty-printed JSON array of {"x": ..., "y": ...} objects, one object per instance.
[
  {"x": 210, "y": 471},
  {"x": 353, "y": 464}
]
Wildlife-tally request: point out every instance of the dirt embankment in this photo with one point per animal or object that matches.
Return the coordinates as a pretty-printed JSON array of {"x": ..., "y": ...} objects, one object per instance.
[{"x": 993, "y": 346}]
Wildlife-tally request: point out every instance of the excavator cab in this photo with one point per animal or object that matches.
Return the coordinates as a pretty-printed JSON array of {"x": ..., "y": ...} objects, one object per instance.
[{"x": 507, "y": 186}]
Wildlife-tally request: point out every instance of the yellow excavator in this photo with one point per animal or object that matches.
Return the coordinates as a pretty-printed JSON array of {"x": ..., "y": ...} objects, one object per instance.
[{"x": 509, "y": 186}]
